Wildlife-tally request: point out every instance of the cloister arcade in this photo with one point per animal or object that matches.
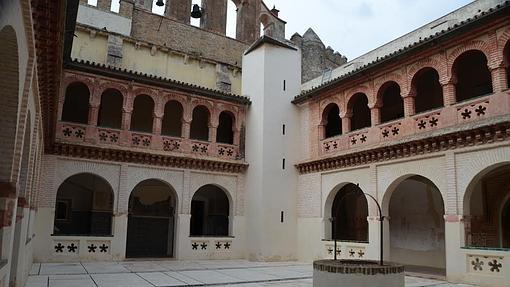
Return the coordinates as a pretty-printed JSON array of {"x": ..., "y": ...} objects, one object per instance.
[{"x": 471, "y": 74}]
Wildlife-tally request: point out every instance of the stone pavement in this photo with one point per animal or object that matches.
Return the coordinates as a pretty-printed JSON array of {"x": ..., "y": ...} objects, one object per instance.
[{"x": 235, "y": 273}]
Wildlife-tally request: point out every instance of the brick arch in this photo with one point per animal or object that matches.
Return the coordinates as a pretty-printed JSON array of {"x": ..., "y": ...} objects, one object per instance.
[
  {"x": 9, "y": 93},
  {"x": 353, "y": 92},
  {"x": 112, "y": 85},
  {"x": 380, "y": 82},
  {"x": 73, "y": 78},
  {"x": 384, "y": 85},
  {"x": 431, "y": 62},
  {"x": 201, "y": 102},
  {"x": 233, "y": 111},
  {"x": 178, "y": 98},
  {"x": 473, "y": 45},
  {"x": 504, "y": 42},
  {"x": 145, "y": 91},
  {"x": 326, "y": 102}
]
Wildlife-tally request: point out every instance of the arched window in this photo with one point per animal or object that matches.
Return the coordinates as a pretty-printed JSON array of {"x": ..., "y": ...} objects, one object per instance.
[
  {"x": 361, "y": 117},
  {"x": 429, "y": 93},
  {"x": 473, "y": 76},
  {"x": 225, "y": 132},
  {"x": 349, "y": 213},
  {"x": 231, "y": 19},
  {"x": 76, "y": 104},
  {"x": 200, "y": 124},
  {"x": 416, "y": 212},
  {"x": 486, "y": 204},
  {"x": 143, "y": 109},
  {"x": 84, "y": 206},
  {"x": 209, "y": 212},
  {"x": 110, "y": 111},
  {"x": 172, "y": 120},
  {"x": 331, "y": 121},
  {"x": 392, "y": 103}
]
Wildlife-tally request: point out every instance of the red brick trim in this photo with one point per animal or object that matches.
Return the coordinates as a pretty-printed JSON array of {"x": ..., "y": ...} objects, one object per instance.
[
  {"x": 96, "y": 153},
  {"x": 478, "y": 136}
]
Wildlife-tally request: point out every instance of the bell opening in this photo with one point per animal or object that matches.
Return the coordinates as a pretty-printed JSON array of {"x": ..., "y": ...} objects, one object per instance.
[{"x": 196, "y": 12}]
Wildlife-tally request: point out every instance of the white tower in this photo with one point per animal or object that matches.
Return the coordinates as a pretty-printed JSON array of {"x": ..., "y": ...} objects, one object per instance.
[{"x": 271, "y": 78}]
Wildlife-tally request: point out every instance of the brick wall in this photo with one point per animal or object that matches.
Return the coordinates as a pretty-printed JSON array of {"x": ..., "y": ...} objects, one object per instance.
[{"x": 186, "y": 38}]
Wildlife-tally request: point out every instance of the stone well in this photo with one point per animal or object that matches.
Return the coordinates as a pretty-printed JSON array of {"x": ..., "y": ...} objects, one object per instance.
[{"x": 355, "y": 273}]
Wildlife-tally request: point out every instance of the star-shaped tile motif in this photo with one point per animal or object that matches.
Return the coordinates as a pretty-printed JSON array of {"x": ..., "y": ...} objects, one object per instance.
[
  {"x": 330, "y": 250},
  {"x": 194, "y": 148},
  {"x": 480, "y": 110},
  {"x": 351, "y": 253},
  {"x": 114, "y": 138},
  {"x": 194, "y": 246},
  {"x": 79, "y": 134},
  {"x": 146, "y": 142},
  {"x": 495, "y": 266},
  {"x": 422, "y": 124},
  {"x": 59, "y": 248},
  {"x": 338, "y": 251},
  {"x": 363, "y": 138},
  {"x": 92, "y": 248},
  {"x": 72, "y": 248},
  {"x": 477, "y": 264},
  {"x": 203, "y": 246},
  {"x": 361, "y": 253},
  {"x": 433, "y": 121},
  {"x": 203, "y": 149},
  {"x": 385, "y": 133},
  {"x": 335, "y": 145},
  {"x": 176, "y": 145},
  {"x": 230, "y": 152},
  {"x": 136, "y": 141},
  {"x": 395, "y": 131},
  {"x": 327, "y": 146},
  {"x": 226, "y": 245},
  {"x": 221, "y": 151},
  {"x": 103, "y": 248},
  {"x": 354, "y": 140},
  {"x": 103, "y": 137},
  {"x": 218, "y": 245},
  {"x": 466, "y": 114},
  {"x": 67, "y": 132}
]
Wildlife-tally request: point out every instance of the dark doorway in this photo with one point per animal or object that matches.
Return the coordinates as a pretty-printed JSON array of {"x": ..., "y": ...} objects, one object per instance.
[
  {"x": 151, "y": 220},
  {"x": 473, "y": 76},
  {"x": 210, "y": 209},
  {"x": 392, "y": 102},
  {"x": 331, "y": 120},
  {"x": 350, "y": 212}
]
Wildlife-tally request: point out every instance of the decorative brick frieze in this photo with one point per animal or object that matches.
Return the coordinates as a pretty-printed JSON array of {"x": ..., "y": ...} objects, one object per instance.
[
  {"x": 477, "y": 136},
  {"x": 121, "y": 155}
]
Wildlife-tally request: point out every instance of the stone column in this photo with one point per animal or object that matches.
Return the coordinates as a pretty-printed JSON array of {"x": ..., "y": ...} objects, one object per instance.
[
  {"x": 409, "y": 104},
  {"x": 449, "y": 96},
  {"x": 237, "y": 136},
  {"x": 156, "y": 124},
  {"x": 375, "y": 115},
  {"x": 215, "y": 16},
  {"x": 346, "y": 122},
  {"x": 179, "y": 10},
  {"x": 248, "y": 24},
  {"x": 213, "y": 130},
  {"x": 499, "y": 79}
]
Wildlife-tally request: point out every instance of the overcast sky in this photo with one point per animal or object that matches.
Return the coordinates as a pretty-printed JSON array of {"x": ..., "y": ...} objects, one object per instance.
[{"x": 354, "y": 27}]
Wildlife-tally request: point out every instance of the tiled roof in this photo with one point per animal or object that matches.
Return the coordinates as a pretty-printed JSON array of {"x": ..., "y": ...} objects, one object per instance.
[
  {"x": 145, "y": 78},
  {"x": 377, "y": 57}
]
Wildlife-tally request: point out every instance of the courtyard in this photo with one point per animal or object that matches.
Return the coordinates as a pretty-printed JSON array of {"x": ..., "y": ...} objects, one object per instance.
[{"x": 184, "y": 273}]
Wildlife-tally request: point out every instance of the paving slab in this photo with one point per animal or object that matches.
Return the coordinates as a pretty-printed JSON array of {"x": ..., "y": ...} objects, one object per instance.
[
  {"x": 160, "y": 279},
  {"x": 144, "y": 266},
  {"x": 62, "y": 269},
  {"x": 37, "y": 281},
  {"x": 211, "y": 277},
  {"x": 282, "y": 273},
  {"x": 34, "y": 270},
  {"x": 248, "y": 275},
  {"x": 184, "y": 278},
  {"x": 104, "y": 267},
  {"x": 71, "y": 280},
  {"x": 120, "y": 280}
]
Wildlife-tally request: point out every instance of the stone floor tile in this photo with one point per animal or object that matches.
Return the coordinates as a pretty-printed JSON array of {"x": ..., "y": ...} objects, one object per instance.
[
  {"x": 181, "y": 265},
  {"x": 71, "y": 280},
  {"x": 211, "y": 277},
  {"x": 184, "y": 278},
  {"x": 120, "y": 280},
  {"x": 282, "y": 273},
  {"x": 104, "y": 267},
  {"x": 161, "y": 279},
  {"x": 35, "y": 269},
  {"x": 37, "y": 281},
  {"x": 144, "y": 266},
  {"x": 61, "y": 269},
  {"x": 248, "y": 274}
]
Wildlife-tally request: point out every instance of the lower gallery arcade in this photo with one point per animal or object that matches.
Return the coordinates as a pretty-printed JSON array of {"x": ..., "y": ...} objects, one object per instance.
[
  {"x": 110, "y": 211},
  {"x": 444, "y": 213}
]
